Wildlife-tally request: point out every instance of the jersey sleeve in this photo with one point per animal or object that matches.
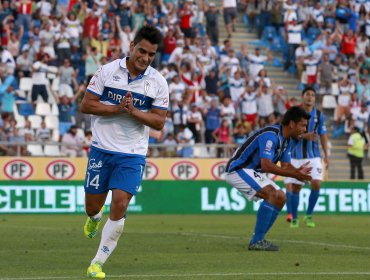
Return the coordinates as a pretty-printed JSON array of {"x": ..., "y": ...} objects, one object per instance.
[
  {"x": 96, "y": 85},
  {"x": 322, "y": 128},
  {"x": 161, "y": 100},
  {"x": 267, "y": 145}
]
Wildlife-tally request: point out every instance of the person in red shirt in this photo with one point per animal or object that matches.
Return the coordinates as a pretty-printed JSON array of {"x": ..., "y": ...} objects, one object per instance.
[
  {"x": 222, "y": 135},
  {"x": 185, "y": 22},
  {"x": 348, "y": 44},
  {"x": 169, "y": 43}
]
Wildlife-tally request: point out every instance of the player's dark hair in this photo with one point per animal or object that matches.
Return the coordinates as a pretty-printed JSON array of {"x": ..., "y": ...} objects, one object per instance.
[
  {"x": 149, "y": 33},
  {"x": 295, "y": 114},
  {"x": 307, "y": 89}
]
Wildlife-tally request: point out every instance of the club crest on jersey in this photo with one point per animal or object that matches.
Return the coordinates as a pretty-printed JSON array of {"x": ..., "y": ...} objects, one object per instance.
[
  {"x": 268, "y": 146},
  {"x": 116, "y": 78},
  {"x": 146, "y": 87}
]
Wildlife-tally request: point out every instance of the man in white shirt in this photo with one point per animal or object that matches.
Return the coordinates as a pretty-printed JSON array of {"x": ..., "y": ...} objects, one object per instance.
[
  {"x": 39, "y": 80},
  {"x": 293, "y": 37},
  {"x": 126, "y": 97}
]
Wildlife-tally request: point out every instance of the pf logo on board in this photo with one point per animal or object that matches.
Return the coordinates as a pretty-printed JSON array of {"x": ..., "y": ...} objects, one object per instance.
[
  {"x": 184, "y": 170},
  {"x": 151, "y": 171},
  {"x": 60, "y": 170},
  {"x": 18, "y": 169},
  {"x": 218, "y": 170}
]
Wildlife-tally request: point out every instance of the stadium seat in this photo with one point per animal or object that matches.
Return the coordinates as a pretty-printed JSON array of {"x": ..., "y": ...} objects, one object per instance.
[
  {"x": 20, "y": 121},
  {"x": 54, "y": 109},
  {"x": 43, "y": 109},
  {"x": 55, "y": 85},
  {"x": 25, "y": 84},
  {"x": 55, "y": 135},
  {"x": 52, "y": 122},
  {"x": 25, "y": 109},
  {"x": 65, "y": 89},
  {"x": 329, "y": 102},
  {"x": 35, "y": 150},
  {"x": 35, "y": 121},
  {"x": 51, "y": 150}
]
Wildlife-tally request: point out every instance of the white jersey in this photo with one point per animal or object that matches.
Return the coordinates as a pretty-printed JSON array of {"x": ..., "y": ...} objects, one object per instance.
[{"x": 122, "y": 133}]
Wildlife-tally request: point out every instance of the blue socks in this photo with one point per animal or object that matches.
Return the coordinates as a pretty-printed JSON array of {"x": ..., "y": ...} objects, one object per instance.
[
  {"x": 295, "y": 203},
  {"x": 288, "y": 202},
  {"x": 266, "y": 216},
  {"x": 314, "y": 196}
]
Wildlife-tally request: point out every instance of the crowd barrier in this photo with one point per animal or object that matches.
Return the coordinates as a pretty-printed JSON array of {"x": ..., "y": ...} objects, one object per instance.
[{"x": 170, "y": 186}]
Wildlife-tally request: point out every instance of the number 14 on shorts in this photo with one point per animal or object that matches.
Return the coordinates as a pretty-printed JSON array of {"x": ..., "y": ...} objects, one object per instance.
[{"x": 94, "y": 182}]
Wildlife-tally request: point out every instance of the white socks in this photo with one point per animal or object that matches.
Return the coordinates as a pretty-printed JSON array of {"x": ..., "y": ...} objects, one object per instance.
[
  {"x": 111, "y": 232},
  {"x": 98, "y": 216}
]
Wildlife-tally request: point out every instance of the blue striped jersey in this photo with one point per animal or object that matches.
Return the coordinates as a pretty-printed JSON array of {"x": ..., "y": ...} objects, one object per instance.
[
  {"x": 267, "y": 142},
  {"x": 306, "y": 148}
]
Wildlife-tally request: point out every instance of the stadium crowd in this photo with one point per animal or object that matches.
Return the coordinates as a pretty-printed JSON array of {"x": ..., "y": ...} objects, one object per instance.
[{"x": 50, "y": 50}]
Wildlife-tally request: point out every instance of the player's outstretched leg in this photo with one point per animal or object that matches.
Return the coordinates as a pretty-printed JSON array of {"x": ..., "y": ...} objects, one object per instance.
[
  {"x": 266, "y": 216},
  {"x": 92, "y": 224}
]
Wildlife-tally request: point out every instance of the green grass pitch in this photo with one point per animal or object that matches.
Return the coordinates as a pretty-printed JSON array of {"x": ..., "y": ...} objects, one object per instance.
[{"x": 186, "y": 247}]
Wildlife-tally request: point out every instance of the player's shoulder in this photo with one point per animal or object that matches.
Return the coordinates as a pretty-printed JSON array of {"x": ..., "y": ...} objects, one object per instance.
[{"x": 157, "y": 76}]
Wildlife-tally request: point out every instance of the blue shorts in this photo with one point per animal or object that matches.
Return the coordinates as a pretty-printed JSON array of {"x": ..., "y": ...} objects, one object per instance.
[{"x": 106, "y": 171}]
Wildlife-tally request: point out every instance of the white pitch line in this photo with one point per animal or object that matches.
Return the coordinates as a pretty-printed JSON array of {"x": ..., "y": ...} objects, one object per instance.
[
  {"x": 284, "y": 241},
  {"x": 205, "y": 274}
]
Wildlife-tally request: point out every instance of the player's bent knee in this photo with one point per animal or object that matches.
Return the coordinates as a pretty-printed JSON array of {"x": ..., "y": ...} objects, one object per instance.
[
  {"x": 280, "y": 197},
  {"x": 92, "y": 209}
]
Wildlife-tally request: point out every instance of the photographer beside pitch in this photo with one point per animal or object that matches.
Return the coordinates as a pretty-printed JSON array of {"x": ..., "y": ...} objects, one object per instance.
[
  {"x": 126, "y": 97},
  {"x": 257, "y": 155}
]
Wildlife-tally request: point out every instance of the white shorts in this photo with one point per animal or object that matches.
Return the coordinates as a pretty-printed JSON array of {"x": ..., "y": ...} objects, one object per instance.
[
  {"x": 316, "y": 172},
  {"x": 249, "y": 182}
]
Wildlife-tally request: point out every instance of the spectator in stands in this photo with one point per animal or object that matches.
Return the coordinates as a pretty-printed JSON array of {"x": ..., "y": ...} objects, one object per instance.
[
  {"x": 211, "y": 83},
  {"x": 185, "y": 15},
  {"x": 227, "y": 110},
  {"x": 24, "y": 64},
  {"x": 169, "y": 43},
  {"x": 363, "y": 90},
  {"x": 63, "y": 44},
  {"x": 248, "y": 106},
  {"x": 195, "y": 122},
  {"x": 280, "y": 98},
  {"x": 73, "y": 143},
  {"x": 7, "y": 59},
  {"x": 325, "y": 71},
  {"x": 27, "y": 132},
  {"x": 264, "y": 104},
  {"x": 92, "y": 62},
  {"x": 8, "y": 99},
  {"x": 180, "y": 115},
  {"x": 211, "y": 14},
  {"x": 39, "y": 80},
  {"x": 185, "y": 136},
  {"x": 360, "y": 118},
  {"x": 301, "y": 53},
  {"x": 65, "y": 106},
  {"x": 212, "y": 119},
  {"x": 356, "y": 146},
  {"x": 170, "y": 146},
  {"x": 256, "y": 62},
  {"x": 222, "y": 135},
  {"x": 344, "y": 100},
  {"x": 43, "y": 133},
  {"x": 67, "y": 76},
  {"x": 294, "y": 38}
]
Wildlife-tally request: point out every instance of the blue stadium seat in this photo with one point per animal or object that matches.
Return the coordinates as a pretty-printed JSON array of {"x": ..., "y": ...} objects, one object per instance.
[
  {"x": 269, "y": 32},
  {"x": 26, "y": 109}
]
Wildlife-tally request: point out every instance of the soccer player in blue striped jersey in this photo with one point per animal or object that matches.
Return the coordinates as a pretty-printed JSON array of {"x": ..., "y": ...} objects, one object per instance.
[
  {"x": 307, "y": 150},
  {"x": 258, "y": 154},
  {"x": 126, "y": 97}
]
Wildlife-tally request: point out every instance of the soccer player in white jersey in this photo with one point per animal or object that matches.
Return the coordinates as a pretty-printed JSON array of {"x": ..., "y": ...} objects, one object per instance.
[{"x": 126, "y": 97}]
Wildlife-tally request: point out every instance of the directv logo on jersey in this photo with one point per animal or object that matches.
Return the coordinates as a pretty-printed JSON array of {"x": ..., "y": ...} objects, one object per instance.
[{"x": 118, "y": 98}]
